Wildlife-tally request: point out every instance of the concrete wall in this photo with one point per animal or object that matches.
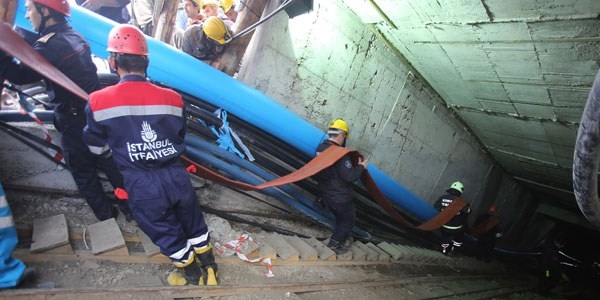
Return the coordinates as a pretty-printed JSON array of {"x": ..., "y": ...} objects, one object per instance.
[{"x": 327, "y": 64}]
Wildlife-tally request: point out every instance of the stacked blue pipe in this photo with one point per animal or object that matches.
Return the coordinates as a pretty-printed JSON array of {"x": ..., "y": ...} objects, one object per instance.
[{"x": 187, "y": 74}]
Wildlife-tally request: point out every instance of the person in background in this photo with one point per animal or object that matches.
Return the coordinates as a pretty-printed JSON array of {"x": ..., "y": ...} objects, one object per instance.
[
  {"x": 206, "y": 41},
  {"x": 113, "y": 9},
  {"x": 210, "y": 8},
  {"x": 551, "y": 272},
  {"x": 192, "y": 10},
  {"x": 144, "y": 126},
  {"x": 181, "y": 17},
  {"x": 336, "y": 186},
  {"x": 553, "y": 260},
  {"x": 70, "y": 53},
  {"x": 452, "y": 232},
  {"x": 229, "y": 9},
  {"x": 143, "y": 15},
  {"x": 491, "y": 229}
]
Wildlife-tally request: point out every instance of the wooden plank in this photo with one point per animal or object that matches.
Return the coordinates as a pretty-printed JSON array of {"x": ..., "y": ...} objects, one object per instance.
[
  {"x": 140, "y": 258},
  {"x": 64, "y": 249},
  {"x": 168, "y": 292}
]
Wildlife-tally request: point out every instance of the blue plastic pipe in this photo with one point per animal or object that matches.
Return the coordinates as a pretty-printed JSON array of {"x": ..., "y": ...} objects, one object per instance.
[{"x": 190, "y": 75}]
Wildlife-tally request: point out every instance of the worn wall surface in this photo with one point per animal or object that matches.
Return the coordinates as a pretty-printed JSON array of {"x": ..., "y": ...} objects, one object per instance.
[{"x": 327, "y": 64}]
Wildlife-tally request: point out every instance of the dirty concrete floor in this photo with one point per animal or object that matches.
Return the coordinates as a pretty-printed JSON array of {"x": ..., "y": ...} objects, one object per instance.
[{"x": 23, "y": 167}]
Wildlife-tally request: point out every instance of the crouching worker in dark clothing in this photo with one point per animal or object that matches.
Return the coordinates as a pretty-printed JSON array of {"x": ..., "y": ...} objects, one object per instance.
[
  {"x": 144, "y": 127},
  {"x": 335, "y": 185},
  {"x": 490, "y": 228},
  {"x": 551, "y": 272}
]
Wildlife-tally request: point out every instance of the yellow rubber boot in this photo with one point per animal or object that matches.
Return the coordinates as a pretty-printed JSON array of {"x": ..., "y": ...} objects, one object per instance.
[
  {"x": 211, "y": 277},
  {"x": 191, "y": 272},
  {"x": 176, "y": 279},
  {"x": 208, "y": 264}
]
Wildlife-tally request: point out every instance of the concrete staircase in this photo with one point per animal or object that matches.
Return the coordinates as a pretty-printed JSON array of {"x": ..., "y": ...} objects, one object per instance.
[{"x": 51, "y": 235}]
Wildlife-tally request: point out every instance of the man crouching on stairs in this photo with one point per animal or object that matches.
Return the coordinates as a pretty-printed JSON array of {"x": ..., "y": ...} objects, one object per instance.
[{"x": 143, "y": 126}]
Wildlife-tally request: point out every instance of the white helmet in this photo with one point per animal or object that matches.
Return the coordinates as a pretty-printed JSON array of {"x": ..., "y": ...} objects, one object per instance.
[{"x": 457, "y": 185}]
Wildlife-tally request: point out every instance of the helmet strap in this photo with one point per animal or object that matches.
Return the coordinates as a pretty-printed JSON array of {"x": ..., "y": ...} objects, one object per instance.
[
  {"x": 44, "y": 19},
  {"x": 115, "y": 59}
]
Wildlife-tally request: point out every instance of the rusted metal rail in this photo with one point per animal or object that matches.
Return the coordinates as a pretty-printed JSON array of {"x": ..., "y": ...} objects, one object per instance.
[{"x": 166, "y": 292}]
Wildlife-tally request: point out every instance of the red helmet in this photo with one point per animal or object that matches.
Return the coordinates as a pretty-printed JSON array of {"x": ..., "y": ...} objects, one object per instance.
[
  {"x": 61, "y": 6},
  {"x": 127, "y": 39},
  {"x": 493, "y": 208}
]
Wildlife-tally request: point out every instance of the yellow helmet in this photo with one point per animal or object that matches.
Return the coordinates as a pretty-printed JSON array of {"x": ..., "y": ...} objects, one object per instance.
[
  {"x": 227, "y": 4},
  {"x": 457, "y": 185},
  {"x": 339, "y": 124},
  {"x": 215, "y": 29}
]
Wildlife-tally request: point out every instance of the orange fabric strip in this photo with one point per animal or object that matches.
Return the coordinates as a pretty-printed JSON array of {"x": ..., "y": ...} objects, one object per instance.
[
  {"x": 484, "y": 226},
  {"x": 320, "y": 162}
]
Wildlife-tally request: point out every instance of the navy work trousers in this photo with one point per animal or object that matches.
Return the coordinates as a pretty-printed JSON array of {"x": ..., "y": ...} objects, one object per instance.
[
  {"x": 84, "y": 166},
  {"x": 166, "y": 208},
  {"x": 345, "y": 216}
]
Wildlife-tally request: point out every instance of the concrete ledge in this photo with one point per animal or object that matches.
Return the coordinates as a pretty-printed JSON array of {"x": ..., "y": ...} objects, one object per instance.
[
  {"x": 284, "y": 250},
  {"x": 149, "y": 247},
  {"x": 266, "y": 251},
  {"x": 250, "y": 249},
  {"x": 305, "y": 251},
  {"x": 407, "y": 254},
  {"x": 49, "y": 233},
  {"x": 323, "y": 251},
  {"x": 371, "y": 255},
  {"x": 381, "y": 255},
  {"x": 357, "y": 252},
  {"x": 394, "y": 252},
  {"x": 106, "y": 236}
]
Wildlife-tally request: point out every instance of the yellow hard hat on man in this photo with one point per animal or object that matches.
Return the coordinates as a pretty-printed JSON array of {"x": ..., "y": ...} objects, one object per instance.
[
  {"x": 227, "y": 4},
  {"x": 338, "y": 124},
  {"x": 216, "y": 30}
]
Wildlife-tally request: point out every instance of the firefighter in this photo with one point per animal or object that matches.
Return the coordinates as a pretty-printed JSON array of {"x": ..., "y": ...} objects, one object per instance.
[
  {"x": 486, "y": 241},
  {"x": 70, "y": 53},
  {"x": 336, "y": 186},
  {"x": 452, "y": 232},
  {"x": 229, "y": 9},
  {"x": 143, "y": 126}
]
